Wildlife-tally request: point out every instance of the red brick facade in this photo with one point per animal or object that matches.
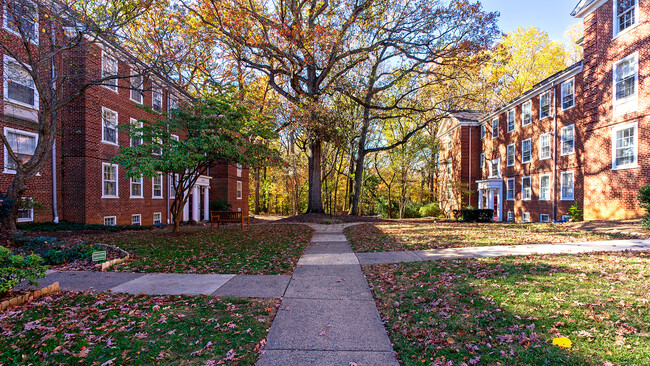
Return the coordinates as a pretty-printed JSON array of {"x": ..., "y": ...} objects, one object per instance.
[
  {"x": 81, "y": 149},
  {"x": 584, "y": 170}
]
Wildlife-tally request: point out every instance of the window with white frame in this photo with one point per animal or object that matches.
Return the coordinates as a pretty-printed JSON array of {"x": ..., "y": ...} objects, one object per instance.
[
  {"x": 157, "y": 99},
  {"x": 449, "y": 144},
  {"x": 510, "y": 189},
  {"x": 495, "y": 167},
  {"x": 526, "y": 190},
  {"x": 545, "y": 105},
  {"x": 239, "y": 170},
  {"x": 526, "y": 151},
  {"x": 544, "y": 218},
  {"x": 136, "y": 87},
  {"x": 449, "y": 169},
  {"x": 110, "y": 220},
  {"x": 21, "y": 18},
  {"x": 482, "y": 161},
  {"x": 568, "y": 94},
  {"x": 26, "y": 214},
  {"x": 173, "y": 102},
  {"x": 157, "y": 218},
  {"x": 567, "y": 140},
  {"x": 172, "y": 185},
  {"x": 109, "y": 69},
  {"x": 19, "y": 87},
  {"x": 22, "y": 143},
  {"x": 527, "y": 113},
  {"x": 626, "y": 75},
  {"x": 136, "y": 188},
  {"x": 545, "y": 187},
  {"x": 482, "y": 131},
  {"x": 625, "y": 15},
  {"x": 136, "y": 137},
  {"x": 625, "y": 146},
  {"x": 450, "y": 194},
  {"x": 544, "y": 146},
  {"x": 495, "y": 127},
  {"x": 525, "y": 216},
  {"x": 109, "y": 181},
  {"x": 510, "y": 155},
  {"x": 566, "y": 185},
  {"x": 156, "y": 183},
  {"x": 511, "y": 216},
  {"x": 109, "y": 126},
  {"x": 511, "y": 121},
  {"x": 240, "y": 190},
  {"x": 136, "y": 220},
  {"x": 567, "y": 218}
]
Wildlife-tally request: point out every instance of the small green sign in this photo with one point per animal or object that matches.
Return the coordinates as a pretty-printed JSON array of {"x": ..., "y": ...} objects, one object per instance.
[{"x": 99, "y": 256}]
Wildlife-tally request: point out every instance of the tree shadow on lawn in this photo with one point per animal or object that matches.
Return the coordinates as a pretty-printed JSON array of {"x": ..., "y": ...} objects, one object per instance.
[{"x": 507, "y": 311}]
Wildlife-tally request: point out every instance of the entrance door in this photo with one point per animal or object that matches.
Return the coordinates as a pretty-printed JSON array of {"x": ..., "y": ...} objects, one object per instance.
[{"x": 496, "y": 206}]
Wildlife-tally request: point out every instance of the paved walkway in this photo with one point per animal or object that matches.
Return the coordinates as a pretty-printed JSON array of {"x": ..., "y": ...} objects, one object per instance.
[
  {"x": 502, "y": 250},
  {"x": 265, "y": 286},
  {"x": 328, "y": 315}
]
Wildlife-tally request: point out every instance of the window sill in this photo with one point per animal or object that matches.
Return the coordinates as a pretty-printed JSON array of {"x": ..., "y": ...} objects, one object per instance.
[
  {"x": 110, "y": 143},
  {"x": 566, "y": 109},
  {"x": 526, "y": 199},
  {"x": 626, "y": 30},
  {"x": 567, "y": 199},
  {"x": 34, "y": 108},
  {"x": 568, "y": 154},
  {"x": 135, "y": 101},
  {"x": 625, "y": 167},
  {"x": 110, "y": 197},
  {"x": 24, "y": 220},
  {"x": 116, "y": 90},
  {"x": 136, "y": 197},
  {"x": 543, "y": 118},
  {"x": 157, "y": 198},
  {"x": 33, "y": 41}
]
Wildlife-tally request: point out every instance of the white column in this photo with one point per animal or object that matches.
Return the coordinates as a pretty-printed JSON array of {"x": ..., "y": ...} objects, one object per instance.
[
  {"x": 480, "y": 199},
  {"x": 195, "y": 204},
  {"x": 206, "y": 204},
  {"x": 490, "y": 199},
  {"x": 186, "y": 211}
]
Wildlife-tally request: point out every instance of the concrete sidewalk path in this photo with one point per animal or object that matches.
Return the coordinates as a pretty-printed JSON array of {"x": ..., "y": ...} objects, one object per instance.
[
  {"x": 328, "y": 315},
  {"x": 502, "y": 250},
  {"x": 263, "y": 286}
]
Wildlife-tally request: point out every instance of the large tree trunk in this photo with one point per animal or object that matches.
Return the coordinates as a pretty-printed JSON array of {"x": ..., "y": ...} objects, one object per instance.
[
  {"x": 315, "y": 200},
  {"x": 256, "y": 210},
  {"x": 15, "y": 192}
]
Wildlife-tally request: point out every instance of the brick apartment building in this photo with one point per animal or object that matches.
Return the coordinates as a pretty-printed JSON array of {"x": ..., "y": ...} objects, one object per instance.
[
  {"x": 80, "y": 184},
  {"x": 578, "y": 137}
]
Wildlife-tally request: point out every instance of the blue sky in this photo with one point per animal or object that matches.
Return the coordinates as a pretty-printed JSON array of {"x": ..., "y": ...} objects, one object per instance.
[{"x": 553, "y": 16}]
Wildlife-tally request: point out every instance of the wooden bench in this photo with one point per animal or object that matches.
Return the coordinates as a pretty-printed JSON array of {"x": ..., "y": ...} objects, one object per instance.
[{"x": 228, "y": 217}]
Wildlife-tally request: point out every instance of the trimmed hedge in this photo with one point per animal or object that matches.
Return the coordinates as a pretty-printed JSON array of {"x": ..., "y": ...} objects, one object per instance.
[
  {"x": 71, "y": 226},
  {"x": 476, "y": 215}
]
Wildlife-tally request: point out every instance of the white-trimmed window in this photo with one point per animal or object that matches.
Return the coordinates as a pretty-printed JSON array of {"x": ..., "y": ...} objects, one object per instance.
[
  {"x": 526, "y": 153},
  {"x": 449, "y": 144},
  {"x": 482, "y": 131},
  {"x": 136, "y": 188},
  {"x": 625, "y": 145},
  {"x": 240, "y": 190},
  {"x": 109, "y": 180},
  {"x": 109, "y": 69},
  {"x": 156, "y": 186},
  {"x": 22, "y": 143},
  {"x": 567, "y": 91},
  {"x": 545, "y": 105},
  {"x": 173, "y": 103},
  {"x": 19, "y": 87},
  {"x": 567, "y": 140},
  {"x": 110, "y": 220},
  {"x": 449, "y": 167},
  {"x": 136, "y": 87},
  {"x": 544, "y": 218},
  {"x": 511, "y": 216},
  {"x": 157, "y": 218},
  {"x": 544, "y": 146},
  {"x": 626, "y": 85},
  {"x": 239, "y": 170},
  {"x": 510, "y": 189},
  {"x": 526, "y": 190},
  {"x": 109, "y": 126},
  {"x": 21, "y": 17},
  {"x": 495, "y": 127},
  {"x": 566, "y": 185},
  {"x": 482, "y": 161},
  {"x": 545, "y": 187},
  {"x": 625, "y": 15},
  {"x": 25, "y": 214},
  {"x": 511, "y": 121},
  {"x": 450, "y": 194},
  {"x": 157, "y": 99},
  {"x": 525, "y": 216},
  {"x": 136, "y": 220},
  {"x": 495, "y": 168},
  {"x": 136, "y": 137},
  {"x": 172, "y": 184},
  {"x": 510, "y": 155},
  {"x": 527, "y": 113},
  {"x": 567, "y": 218}
]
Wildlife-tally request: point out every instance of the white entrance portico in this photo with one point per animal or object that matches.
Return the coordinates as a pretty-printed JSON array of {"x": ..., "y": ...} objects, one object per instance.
[
  {"x": 198, "y": 205},
  {"x": 490, "y": 196}
]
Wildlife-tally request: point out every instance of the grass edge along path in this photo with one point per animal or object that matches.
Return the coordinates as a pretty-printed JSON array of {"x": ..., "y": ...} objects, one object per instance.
[
  {"x": 508, "y": 310},
  {"x": 94, "y": 328}
]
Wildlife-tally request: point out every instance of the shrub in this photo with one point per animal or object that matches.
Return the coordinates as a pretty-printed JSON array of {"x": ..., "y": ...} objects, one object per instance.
[
  {"x": 477, "y": 215},
  {"x": 71, "y": 226},
  {"x": 430, "y": 210},
  {"x": 54, "y": 252},
  {"x": 412, "y": 210},
  {"x": 382, "y": 208},
  {"x": 575, "y": 212},
  {"x": 17, "y": 268},
  {"x": 220, "y": 205},
  {"x": 644, "y": 200}
]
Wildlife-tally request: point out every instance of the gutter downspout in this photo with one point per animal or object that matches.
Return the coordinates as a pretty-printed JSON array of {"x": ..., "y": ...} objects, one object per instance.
[
  {"x": 469, "y": 165},
  {"x": 55, "y": 213},
  {"x": 554, "y": 150}
]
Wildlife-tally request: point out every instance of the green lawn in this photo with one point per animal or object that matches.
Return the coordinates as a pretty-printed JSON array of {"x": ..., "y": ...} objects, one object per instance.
[
  {"x": 264, "y": 249},
  {"x": 77, "y": 328},
  {"x": 506, "y": 311},
  {"x": 420, "y": 235}
]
